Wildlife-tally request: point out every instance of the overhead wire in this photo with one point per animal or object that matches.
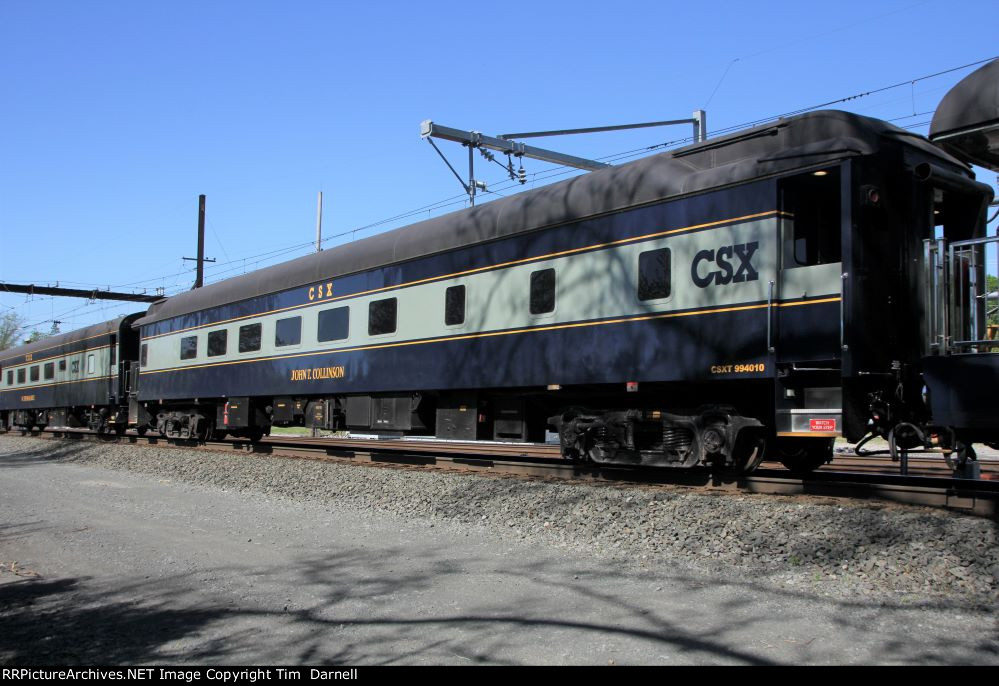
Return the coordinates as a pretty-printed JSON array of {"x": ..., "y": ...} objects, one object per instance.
[{"x": 216, "y": 271}]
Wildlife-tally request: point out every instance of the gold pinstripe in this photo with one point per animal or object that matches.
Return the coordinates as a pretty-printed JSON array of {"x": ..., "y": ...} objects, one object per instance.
[
  {"x": 477, "y": 270},
  {"x": 809, "y": 434},
  {"x": 490, "y": 334},
  {"x": 56, "y": 357},
  {"x": 52, "y": 347},
  {"x": 19, "y": 389}
]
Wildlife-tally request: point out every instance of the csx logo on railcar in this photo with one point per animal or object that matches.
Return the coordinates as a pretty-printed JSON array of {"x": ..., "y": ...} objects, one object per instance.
[
  {"x": 703, "y": 276},
  {"x": 323, "y": 290}
]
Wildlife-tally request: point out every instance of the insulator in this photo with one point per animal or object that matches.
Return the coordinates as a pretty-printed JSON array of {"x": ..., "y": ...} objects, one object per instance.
[{"x": 522, "y": 175}]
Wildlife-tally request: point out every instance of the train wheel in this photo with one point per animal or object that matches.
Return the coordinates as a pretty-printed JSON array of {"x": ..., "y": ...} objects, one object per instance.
[
  {"x": 255, "y": 434},
  {"x": 962, "y": 454},
  {"x": 141, "y": 430},
  {"x": 748, "y": 452},
  {"x": 804, "y": 455}
]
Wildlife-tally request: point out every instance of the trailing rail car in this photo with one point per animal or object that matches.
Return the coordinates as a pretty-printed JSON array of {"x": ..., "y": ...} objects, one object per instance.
[
  {"x": 77, "y": 379},
  {"x": 759, "y": 293}
]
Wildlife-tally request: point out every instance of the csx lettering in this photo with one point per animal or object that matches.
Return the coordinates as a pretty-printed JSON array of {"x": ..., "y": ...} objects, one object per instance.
[
  {"x": 722, "y": 257},
  {"x": 323, "y": 290}
]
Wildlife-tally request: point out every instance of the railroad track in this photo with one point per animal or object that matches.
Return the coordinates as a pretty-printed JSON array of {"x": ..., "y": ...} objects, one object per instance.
[{"x": 929, "y": 483}]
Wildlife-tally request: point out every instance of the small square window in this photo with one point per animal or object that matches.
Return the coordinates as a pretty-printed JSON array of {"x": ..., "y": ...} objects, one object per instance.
[
  {"x": 249, "y": 338},
  {"x": 454, "y": 306},
  {"x": 288, "y": 331},
  {"x": 62, "y": 365},
  {"x": 654, "y": 274},
  {"x": 218, "y": 341},
  {"x": 382, "y": 316},
  {"x": 189, "y": 348},
  {"x": 334, "y": 325},
  {"x": 543, "y": 291}
]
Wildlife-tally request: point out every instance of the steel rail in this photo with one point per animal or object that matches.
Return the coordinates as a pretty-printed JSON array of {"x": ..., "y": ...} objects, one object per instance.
[{"x": 978, "y": 497}]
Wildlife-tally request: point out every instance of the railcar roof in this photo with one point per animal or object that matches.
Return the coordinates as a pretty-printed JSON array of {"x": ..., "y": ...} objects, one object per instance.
[
  {"x": 803, "y": 141},
  {"x": 967, "y": 119},
  {"x": 16, "y": 355}
]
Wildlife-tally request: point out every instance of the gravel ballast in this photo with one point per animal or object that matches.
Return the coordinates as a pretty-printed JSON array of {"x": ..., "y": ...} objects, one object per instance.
[{"x": 839, "y": 548}]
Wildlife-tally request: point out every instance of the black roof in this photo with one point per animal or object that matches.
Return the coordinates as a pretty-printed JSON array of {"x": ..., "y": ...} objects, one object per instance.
[
  {"x": 966, "y": 122},
  {"x": 16, "y": 355},
  {"x": 804, "y": 141}
]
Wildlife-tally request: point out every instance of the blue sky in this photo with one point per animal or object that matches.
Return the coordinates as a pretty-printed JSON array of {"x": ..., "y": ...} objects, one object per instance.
[{"x": 116, "y": 115}]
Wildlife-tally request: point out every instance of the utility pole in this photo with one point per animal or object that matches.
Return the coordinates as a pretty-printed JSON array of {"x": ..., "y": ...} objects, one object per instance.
[
  {"x": 199, "y": 280},
  {"x": 319, "y": 223}
]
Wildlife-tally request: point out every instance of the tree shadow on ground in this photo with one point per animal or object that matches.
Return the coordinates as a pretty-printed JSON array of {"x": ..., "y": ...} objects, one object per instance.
[{"x": 382, "y": 605}]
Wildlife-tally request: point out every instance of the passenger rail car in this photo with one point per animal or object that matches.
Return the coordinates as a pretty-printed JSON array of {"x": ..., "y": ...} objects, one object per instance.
[
  {"x": 762, "y": 289},
  {"x": 759, "y": 293},
  {"x": 77, "y": 379}
]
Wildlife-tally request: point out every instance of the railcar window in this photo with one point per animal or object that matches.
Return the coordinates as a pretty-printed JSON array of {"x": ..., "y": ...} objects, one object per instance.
[
  {"x": 334, "y": 325},
  {"x": 288, "y": 331},
  {"x": 382, "y": 316},
  {"x": 22, "y": 375},
  {"x": 49, "y": 370},
  {"x": 218, "y": 341},
  {"x": 543, "y": 291},
  {"x": 811, "y": 206},
  {"x": 90, "y": 364},
  {"x": 249, "y": 338},
  {"x": 143, "y": 355},
  {"x": 654, "y": 274},
  {"x": 188, "y": 347},
  {"x": 10, "y": 377},
  {"x": 62, "y": 365},
  {"x": 34, "y": 373},
  {"x": 454, "y": 306}
]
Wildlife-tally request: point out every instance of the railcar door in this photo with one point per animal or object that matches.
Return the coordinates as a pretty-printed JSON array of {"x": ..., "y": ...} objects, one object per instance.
[{"x": 808, "y": 341}]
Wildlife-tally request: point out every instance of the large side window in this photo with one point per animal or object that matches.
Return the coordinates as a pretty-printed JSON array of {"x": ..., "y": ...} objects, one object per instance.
[
  {"x": 91, "y": 364},
  {"x": 188, "y": 347},
  {"x": 543, "y": 291},
  {"x": 22, "y": 375},
  {"x": 49, "y": 370},
  {"x": 217, "y": 342},
  {"x": 454, "y": 306},
  {"x": 334, "y": 325},
  {"x": 811, "y": 212},
  {"x": 288, "y": 331},
  {"x": 382, "y": 316},
  {"x": 249, "y": 338},
  {"x": 654, "y": 274},
  {"x": 34, "y": 373},
  {"x": 10, "y": 377}
]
